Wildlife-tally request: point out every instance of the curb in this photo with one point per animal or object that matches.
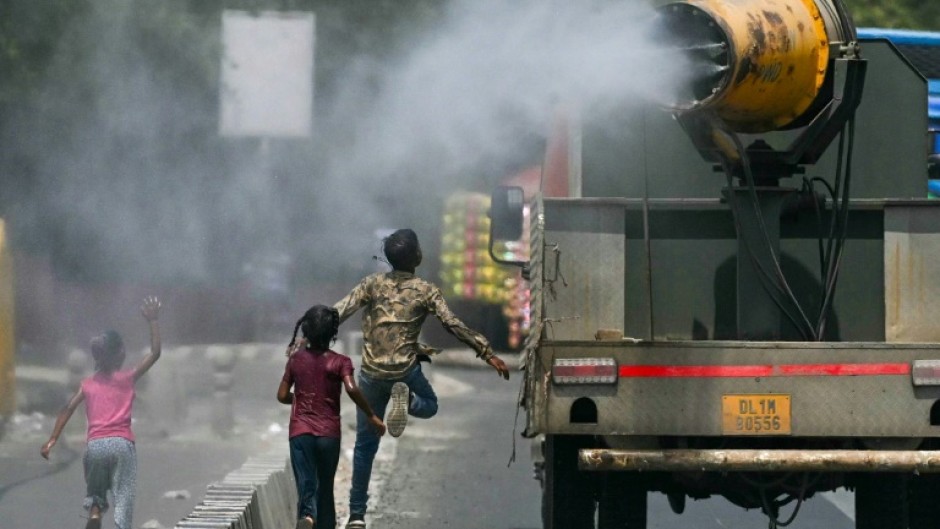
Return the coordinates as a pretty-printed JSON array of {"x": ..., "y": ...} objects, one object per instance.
[{"x": 259, "y": 495}]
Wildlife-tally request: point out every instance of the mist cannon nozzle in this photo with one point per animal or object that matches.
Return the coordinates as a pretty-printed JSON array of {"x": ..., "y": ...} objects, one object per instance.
[{"x": 758, "y": 65}]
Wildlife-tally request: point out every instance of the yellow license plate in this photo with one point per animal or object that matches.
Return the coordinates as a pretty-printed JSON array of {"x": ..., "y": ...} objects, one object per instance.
[{"x": 755, "y": 414}]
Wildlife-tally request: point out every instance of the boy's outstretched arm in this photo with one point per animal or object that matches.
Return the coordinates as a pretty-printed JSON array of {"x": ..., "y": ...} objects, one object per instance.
[
  {"x": 61, "y": 421},
  {"x": 475, "y": 340},
  {"x": 356, "y": 395},
  {"x": 151, "y": 312}
]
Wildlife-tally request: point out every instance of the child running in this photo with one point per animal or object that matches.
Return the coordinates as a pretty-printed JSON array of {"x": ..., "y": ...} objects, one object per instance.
[
  {"x": 316, "y": 374},
  {"x": 110, "y": 459},
  {"x": 395, "y": 306}
]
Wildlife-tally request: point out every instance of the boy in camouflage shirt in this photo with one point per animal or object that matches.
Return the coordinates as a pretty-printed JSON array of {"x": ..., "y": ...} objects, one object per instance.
[{"x": 396, "y": 304}]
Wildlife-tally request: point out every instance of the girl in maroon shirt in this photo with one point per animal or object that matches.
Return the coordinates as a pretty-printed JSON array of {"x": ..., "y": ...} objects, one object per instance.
[{"x": 316, "y": 374}]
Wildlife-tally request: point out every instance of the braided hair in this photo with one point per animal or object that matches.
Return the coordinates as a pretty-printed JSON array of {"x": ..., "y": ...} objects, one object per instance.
[
  {"x": 401, "y": 249},
  {"x": 106, "y": 350},
  {"x": 319, "y": 325}
]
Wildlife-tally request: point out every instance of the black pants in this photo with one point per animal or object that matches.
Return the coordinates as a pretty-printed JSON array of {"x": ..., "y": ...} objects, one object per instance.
[{"x": 314, "y": 460}]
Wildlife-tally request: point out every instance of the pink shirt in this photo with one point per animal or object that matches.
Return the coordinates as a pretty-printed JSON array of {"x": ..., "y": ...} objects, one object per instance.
[
  {"x": 317, "y": 378},
  {"x": 109, "y": 399}
]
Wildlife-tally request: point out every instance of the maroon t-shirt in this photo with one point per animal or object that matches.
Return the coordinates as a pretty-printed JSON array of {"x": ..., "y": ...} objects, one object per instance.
[{"x": 317, "y": 378}]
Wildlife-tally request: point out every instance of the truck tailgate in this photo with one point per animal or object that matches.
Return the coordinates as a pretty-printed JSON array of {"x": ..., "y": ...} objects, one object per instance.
[{"x": 691, "y": 388}]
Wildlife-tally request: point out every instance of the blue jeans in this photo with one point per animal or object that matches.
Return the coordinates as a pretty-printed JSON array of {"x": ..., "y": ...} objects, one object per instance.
[
  {"x": 378, "y": 391},
  {"x": 314, "y": 460}
]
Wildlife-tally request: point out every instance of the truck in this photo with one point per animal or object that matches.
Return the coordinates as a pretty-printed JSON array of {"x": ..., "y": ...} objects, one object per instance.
[
  {"x": 736, "y": 292},
  {"x": 922, "y": 48}
]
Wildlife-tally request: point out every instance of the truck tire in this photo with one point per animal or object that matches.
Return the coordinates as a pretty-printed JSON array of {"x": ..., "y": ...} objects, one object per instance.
[
  {"x": 622, "y": 502},
  {"x": 924, "y": 504},
  {"x": 881, "y": 501},
  {"x": 567, "y": 494}
]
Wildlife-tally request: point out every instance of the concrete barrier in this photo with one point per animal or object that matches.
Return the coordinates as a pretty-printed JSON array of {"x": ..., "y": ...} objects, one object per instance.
[{"x": 259, "y": 495}]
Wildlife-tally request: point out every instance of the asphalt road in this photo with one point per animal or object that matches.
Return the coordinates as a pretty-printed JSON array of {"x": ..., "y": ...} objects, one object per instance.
[
  {"x": 173, "y": 471},
  {"x": 453, "y": 470}
]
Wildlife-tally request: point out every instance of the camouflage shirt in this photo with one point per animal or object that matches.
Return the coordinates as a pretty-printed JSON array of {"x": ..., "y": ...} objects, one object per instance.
[{"x": 396, "y": 304}]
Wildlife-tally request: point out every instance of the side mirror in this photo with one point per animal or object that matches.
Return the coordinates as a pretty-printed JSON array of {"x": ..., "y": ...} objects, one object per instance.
[
  {"x": 506, "y": 213},
  {"x": 507, "y": 205}
]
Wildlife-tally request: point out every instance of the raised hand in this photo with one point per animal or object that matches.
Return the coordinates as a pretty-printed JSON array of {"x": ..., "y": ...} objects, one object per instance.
[{"x": 150, "y": 308}]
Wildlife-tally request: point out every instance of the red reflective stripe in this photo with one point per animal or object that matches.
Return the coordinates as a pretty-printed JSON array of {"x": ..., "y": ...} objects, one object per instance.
[
  {"x": 696, "y": 371},
  {"x": 789, "y": 370},
  {"x": 845, "y": 369}
]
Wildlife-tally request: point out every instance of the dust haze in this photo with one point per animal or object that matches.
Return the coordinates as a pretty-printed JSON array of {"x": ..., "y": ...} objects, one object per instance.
[{"x": 131, "y": 189}]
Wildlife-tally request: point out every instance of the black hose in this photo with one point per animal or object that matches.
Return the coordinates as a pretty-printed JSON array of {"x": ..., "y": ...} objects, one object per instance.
[
  {"x": 732, "y": 200},
  {"x": 834, "y": 265},
  {"x": 811, "y": 183},
  {"x": 782, "y": 283}
]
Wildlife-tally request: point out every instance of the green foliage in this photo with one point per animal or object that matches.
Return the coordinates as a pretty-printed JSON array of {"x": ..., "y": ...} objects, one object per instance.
[
  {"x": 44, "y": 43},
  {"x": 913, "y": 14},
  {"x": 30, "y": 32}
]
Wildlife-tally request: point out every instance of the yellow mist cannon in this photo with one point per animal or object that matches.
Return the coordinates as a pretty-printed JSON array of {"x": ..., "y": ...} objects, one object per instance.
[
  {"x": 769, "y": 85},
  {"x": 755, "y": 66}
]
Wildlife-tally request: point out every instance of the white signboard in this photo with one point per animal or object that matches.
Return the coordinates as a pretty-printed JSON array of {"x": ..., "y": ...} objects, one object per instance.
[{"x": 267, "y": 74}]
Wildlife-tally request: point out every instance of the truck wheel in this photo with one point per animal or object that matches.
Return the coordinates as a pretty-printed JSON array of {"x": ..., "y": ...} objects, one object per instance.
[
  {"x": 567, "y": 494},
  {"x": 622, "y": 502},
  {"x": 924, "y": 507},
  {"x": 881, "y": 501}
]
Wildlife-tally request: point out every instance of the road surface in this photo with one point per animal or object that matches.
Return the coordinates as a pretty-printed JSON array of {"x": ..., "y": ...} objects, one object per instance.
[{"x": 449, "y": 471}]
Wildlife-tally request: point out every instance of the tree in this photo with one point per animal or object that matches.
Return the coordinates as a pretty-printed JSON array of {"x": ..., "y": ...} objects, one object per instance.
[{"x": 913, "y": 14}]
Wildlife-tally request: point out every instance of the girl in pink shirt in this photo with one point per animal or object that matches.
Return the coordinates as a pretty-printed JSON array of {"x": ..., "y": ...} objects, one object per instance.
[{"x": 110, "y": 459}]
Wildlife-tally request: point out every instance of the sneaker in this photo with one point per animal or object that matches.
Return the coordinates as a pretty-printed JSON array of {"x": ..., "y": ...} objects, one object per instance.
[
  {"x": 93, "y": 523},
  {"x": 356, "y": 522},
  {"x": 398, "y": 416},
  {"x": 304, "y": 523}
]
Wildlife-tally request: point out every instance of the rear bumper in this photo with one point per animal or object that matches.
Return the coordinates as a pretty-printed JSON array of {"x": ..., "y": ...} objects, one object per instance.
[
  {"x": 684, "y": 460},
  {"x": 835, "y": 389}
]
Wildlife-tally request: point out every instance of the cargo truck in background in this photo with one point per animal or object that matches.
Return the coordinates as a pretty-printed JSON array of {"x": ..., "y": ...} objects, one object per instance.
[
  {"x": 738, "y": 294},
  {"x": 922, "y": 49}
]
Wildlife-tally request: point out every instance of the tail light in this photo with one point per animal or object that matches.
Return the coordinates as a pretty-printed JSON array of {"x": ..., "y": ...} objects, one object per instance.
[
  {"x": 584, "y": 371},
  {"x": 926, "y": 372}
]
